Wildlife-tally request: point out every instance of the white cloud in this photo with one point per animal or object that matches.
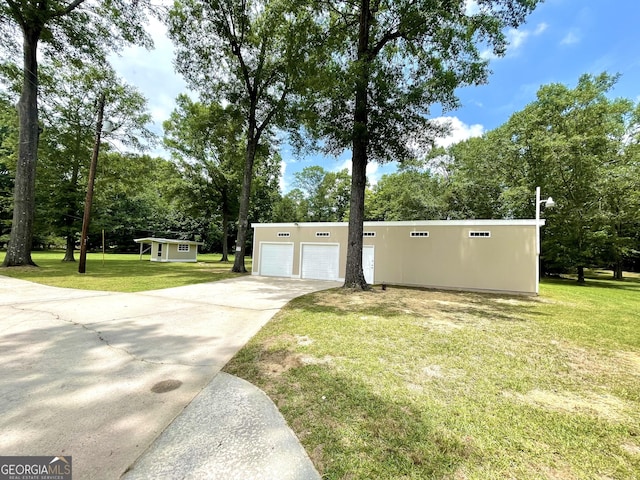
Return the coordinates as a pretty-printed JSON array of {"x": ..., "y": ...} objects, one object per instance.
[
  {"x": 541, "y": 28},
  {"x": 372, "y": 174},
  {"x": 283, "y": 169},
  {"x": 570, "y": 38},
  {"x": 152, "y": 73},
  {"x": 471, "y": 7},
  {"x": 459, "y": 131},
  {"x": 516, "y": 39}
]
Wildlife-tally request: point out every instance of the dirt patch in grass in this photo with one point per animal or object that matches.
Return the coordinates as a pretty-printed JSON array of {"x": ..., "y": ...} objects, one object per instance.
[
  {"x": 440, "y": 325},
  {"x": 439, "y": 310},
  {"x": 630, "y": 361},
  {"x": 607, "y": 407},
  {"x": 433, "y": 372},
  {"x": 275, "y": 363},
  {"x": 555, "y": 473},
  {"x": 631, "y": 449},
  {"x": 591, "y": 363}
]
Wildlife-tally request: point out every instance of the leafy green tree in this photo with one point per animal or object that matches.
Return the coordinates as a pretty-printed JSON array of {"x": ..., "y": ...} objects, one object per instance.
[
  {"x": 620, "y": 189},
  {"x": 68, "y": 110},
  {"x": 326, "y": 194},
  {"x": 385, "y": 64},
  {"x": 579, "y": 146},
  {"x": 8, "y": 155},
  {"x": 135, "y": 197},
  {"x": 487, "y": 177},
  {"x": 80, "y": 30},
  {"x": 265, "y": 190},
  {"x": 575, "y": 134},
  {"x": 292, "y": 207},
  {"x": 409, "y": 194},
  {"x": 251, "y": 53},
  {"x": 207, "y": 141}
]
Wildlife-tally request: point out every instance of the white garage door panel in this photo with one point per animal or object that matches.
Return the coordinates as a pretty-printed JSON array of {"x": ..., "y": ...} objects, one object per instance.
[
  {"x": 320, "y": 262},
  {"x": 276, "y": 260}
]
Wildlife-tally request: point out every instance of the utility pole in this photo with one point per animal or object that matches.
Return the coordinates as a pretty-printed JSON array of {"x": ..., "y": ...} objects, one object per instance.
[{"x": 86, "y": 218}]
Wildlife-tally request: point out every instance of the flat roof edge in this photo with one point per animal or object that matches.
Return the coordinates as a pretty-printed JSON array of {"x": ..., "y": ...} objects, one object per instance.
[
  {"x": 166, "y": 240},
  {"x": 407, "y": 223}
]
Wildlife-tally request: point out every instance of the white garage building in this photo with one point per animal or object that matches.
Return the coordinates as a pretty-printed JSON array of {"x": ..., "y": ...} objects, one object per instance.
[{"x": 485, "y": 255}]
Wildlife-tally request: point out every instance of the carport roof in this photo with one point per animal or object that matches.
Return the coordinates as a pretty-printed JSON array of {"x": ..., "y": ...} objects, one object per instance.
[{"x": 166, "y": 240}]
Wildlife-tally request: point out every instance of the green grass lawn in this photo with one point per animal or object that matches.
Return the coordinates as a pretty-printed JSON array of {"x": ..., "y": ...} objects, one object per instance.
[
  {"x": 419, "y": 384},
  {"x": 122, "y": 272}
]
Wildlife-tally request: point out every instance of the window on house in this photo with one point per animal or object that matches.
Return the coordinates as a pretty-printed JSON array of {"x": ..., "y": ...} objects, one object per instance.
[
  {"x": 476, "y": 234},
  {"x": 369, "y": 234},
  {"x": 284, "y": 234},
  {"x": 323, "y": 234},
  {"x": 183, "y": 247},
  {"x": 419, "y": 234}
]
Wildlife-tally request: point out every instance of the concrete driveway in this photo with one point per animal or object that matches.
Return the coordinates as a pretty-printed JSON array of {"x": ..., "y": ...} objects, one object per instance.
[{"x": 99, "y": 375}]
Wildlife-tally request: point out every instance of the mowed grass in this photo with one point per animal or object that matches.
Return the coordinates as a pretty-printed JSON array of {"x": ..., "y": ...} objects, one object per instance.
[
  {"x": 419, "y": 384},
  {"x": 122, "y": 272}
]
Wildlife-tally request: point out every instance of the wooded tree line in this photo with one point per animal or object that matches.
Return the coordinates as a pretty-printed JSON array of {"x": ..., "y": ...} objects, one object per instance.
[{"x": 577, "y": 144}]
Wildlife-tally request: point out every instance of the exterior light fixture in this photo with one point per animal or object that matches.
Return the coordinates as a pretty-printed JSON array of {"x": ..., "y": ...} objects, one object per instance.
[{"x": 549, "y": 203}]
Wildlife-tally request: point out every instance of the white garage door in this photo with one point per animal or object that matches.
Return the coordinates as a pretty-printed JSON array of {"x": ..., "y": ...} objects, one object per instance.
[
  {"x": 276, "y": 259},
  {"x": 368, "y": 263},
  {"x": 320, "y": 262}
]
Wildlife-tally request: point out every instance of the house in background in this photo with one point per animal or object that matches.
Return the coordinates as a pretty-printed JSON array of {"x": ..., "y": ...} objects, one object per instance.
[
  {"x": 482, "y": 255},
  {"x": 169, "y": 250}
]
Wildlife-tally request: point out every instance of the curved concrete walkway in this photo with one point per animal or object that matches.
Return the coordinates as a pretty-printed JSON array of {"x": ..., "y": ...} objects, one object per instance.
[{"x": 99, "y": 376}]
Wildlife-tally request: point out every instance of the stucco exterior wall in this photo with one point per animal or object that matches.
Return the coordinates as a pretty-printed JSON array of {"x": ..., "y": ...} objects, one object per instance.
[
  {"x": 506, "y": 261},
  {"x": 177, "y": 256},
  {"x": 169, "y": 253}
]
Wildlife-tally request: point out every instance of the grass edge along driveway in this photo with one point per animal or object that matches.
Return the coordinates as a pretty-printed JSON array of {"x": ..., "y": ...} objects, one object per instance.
[
  {"x": 414, "y": 384},
  {"x": 122, "y": 272}
]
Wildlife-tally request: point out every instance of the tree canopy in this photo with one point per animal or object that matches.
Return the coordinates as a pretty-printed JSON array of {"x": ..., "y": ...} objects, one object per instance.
[
  {"x": 382, "y": 67},
  {"x": 250, "y": 53},
  {"x": 79, "y": 30},
  {"x": 207, "y": 141},
  {"x": 579, "y": 146}
]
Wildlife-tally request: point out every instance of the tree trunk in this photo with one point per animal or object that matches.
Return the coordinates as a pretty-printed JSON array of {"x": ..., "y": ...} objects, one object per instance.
[
  {"x": 225, "y": 235},
  {"x": 71, "y": 244},
  {"x": 354, "y": 275},
  {"x": 245, "y": 197},
  {"x": 581, "y": 275},
  {"x": 21, "y": 238},
  {"x": 617, "y": 270}
]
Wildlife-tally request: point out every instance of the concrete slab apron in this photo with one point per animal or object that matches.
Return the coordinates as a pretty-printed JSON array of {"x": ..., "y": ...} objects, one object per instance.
[{"x": 100, "y": 375}]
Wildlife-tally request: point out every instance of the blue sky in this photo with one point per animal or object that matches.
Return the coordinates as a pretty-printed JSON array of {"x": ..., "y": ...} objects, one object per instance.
[{"x": 560, "y": 41}]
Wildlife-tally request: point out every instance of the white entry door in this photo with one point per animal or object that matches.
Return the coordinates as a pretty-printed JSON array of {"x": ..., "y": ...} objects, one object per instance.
[
  {"x": 368, "y": 263},
  {"x": 276, "y": 259},
  {"x": 320, "y": 261}
]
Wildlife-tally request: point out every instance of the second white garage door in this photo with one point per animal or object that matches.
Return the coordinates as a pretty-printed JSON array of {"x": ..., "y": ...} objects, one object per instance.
[{"x": 320, "y": 262}]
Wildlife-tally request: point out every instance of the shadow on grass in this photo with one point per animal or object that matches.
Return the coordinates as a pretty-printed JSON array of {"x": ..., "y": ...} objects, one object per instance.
[
  {"x": 597, "y": 280},
  {"x": 417, "y": 302}
]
